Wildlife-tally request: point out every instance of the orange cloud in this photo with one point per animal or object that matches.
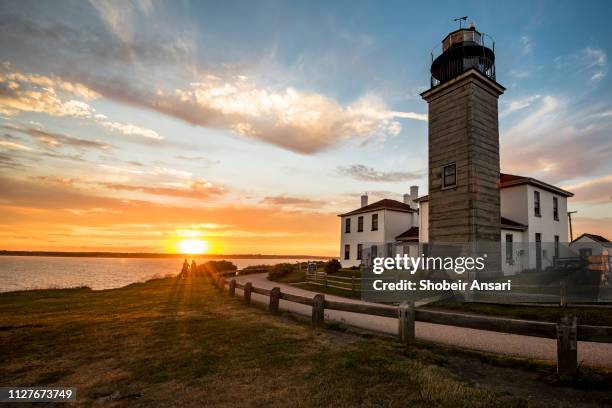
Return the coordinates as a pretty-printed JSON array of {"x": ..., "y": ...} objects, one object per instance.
[{"x": 37, "y": 215}]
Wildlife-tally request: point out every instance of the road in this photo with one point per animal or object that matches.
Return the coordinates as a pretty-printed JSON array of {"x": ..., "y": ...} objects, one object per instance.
[{"x": 589, "y": 353}]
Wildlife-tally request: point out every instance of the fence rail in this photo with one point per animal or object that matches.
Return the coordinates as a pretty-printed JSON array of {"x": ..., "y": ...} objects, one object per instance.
[{"x": 566, "y": 331}]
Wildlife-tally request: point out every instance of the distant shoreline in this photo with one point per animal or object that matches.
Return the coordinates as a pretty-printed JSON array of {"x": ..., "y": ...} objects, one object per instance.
[{"x": 154, "y": 255}]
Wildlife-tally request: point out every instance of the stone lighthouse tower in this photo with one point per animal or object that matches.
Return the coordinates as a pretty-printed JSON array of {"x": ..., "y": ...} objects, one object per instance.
[{"x": 464, "y": 140}]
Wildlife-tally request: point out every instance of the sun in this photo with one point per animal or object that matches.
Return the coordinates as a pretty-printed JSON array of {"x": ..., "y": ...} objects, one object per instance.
[{"x": 193, "y": 246}]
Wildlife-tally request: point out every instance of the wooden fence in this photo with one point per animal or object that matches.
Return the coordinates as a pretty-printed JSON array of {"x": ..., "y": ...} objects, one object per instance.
[
  {"x": 350, "y": 283},
  {"x": 567, "y": 331}
]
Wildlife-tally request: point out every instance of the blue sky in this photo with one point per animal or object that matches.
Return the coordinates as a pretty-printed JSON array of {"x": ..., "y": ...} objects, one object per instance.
[{"x": 289, "y": 110}]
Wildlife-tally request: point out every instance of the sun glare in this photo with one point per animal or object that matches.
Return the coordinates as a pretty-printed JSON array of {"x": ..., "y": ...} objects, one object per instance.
[{"x": 193, "y": 246}]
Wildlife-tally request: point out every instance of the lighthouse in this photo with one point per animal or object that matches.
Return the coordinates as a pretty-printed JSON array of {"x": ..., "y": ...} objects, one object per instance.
[{"x": 464, "y": 196}]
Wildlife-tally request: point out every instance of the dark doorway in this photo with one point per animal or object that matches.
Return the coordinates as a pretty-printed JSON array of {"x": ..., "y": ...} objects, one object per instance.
[{"x": 538, "y": 248}]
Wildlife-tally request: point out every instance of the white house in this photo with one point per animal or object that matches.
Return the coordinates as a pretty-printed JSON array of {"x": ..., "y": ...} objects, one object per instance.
[
  {"x": 376, "y": 226},
  {"x": 534, "y": 222},
  {"x": 534, "y": 225},
  {"x": 591, "y": 244}
]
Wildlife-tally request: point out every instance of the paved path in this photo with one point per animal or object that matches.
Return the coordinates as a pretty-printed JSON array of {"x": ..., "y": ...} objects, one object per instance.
[{"x": 589, "y": 353}]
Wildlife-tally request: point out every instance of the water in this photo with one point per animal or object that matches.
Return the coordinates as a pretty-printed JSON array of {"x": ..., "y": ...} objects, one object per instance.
[{"x": 41, "y": 272}]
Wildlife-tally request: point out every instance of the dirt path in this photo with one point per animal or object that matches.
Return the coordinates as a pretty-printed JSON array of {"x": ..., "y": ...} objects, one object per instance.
[{"x": 589, "y": 353}]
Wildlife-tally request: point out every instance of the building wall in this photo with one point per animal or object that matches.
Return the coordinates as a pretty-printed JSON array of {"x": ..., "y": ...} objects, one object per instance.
[
  {"x": 367, "y": 236},
  {"x": 463, "y": 129},
  {"x": 592, "y": 246},
  {"x": 397, "y": 222},
  {"x": 424, "y": 222},
  {"x": 390, "y": 224},
  {"x": 514, "y": 204},
  {"x": 545, "y": 225}
]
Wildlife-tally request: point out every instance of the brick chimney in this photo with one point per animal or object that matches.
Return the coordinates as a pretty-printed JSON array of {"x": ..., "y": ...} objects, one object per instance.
[
  {"x": 364, "y": 200},
  {"x": 414, "y": 195}
]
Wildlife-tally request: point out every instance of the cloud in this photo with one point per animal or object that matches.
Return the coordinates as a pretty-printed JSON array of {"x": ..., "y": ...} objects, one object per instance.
[
  {"x": 518, "y": 104},
  {"x": 37, "y": 93},
  {"x": 196, "y": 189},
  {"x": 118, "y": 16},
  {"x": 127, "y": 128},
  {"x": 590, "y": 60},
  {"x": 598, "y": 62},
  {"x": 304, "y": 122},
  {"x": 14, "y": 146},
  {"x": 201, "y": 160},
  {"x": 7, "y": 161},
  {"x": 363, "y": 173},
  {"x": 28, "y": 92},
  {"x": 556, "y": 142},
  {"x": 282, "y": 200},
  {"x": 526, "y": 45},
  {"x": 66, "y": 181},
  {"x": 598, "y": 190},
  {"x": 52, "y": 140},
  {"x": 40, "y": 215}
]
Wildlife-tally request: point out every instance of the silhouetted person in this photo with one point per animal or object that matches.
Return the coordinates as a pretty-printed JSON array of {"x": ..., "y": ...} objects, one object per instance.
[
  {"x": 184, "y": 270},
  {"x": 194, "y": 267}
]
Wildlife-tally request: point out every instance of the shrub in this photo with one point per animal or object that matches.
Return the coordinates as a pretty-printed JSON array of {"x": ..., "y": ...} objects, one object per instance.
[
  {"x": 280, "y": 270},
  {"x": 332, "y": 266},
  {"x": 217, "y": 267}
]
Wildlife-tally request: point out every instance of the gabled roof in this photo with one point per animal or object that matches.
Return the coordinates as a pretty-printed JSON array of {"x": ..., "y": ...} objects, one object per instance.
[
  {"x": 507, "y": 223},
  {"x": 412, "y": 234},
  {"x": 510, "y": 180},
  {"x": 596, "y": 238},
  {"x": 385, "y": 204}
]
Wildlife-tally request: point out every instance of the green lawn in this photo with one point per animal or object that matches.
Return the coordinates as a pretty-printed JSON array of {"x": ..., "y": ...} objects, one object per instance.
[
  {"x": 294, "y": 276},
  {"x": 173, "y": 342}
]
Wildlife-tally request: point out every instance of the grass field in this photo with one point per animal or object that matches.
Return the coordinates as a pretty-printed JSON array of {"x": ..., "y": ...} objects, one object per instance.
[{"x": 172, "y": 342}]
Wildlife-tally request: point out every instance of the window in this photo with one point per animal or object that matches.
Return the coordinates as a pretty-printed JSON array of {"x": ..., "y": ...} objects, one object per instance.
[
  {"x": 509, "y": 248},
  {"x": 449, "y": 176},
  {"x": 556, "y": 247},
  {"x": 359, "y": 250},
  {"x": 360, "y": 223},
  {"x": 556, "y": 208},
  {"x": 347, "y": 251},
  {"x": 374, "y": 251},
  {"x": 536, "y": 204},
  {"x": 374, "y": 222},
  {"x": 347, "y": 225},
  {"x": 389, "y": 249}
]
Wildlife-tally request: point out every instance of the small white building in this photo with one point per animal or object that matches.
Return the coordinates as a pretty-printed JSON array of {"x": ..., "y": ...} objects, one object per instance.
[
  {"x": 591, "y": 244},
  {"x": 375, "y": 227}
]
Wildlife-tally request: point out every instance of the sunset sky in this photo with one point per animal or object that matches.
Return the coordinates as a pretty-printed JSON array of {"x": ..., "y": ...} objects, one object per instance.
[{"x": 129, "y": 126}]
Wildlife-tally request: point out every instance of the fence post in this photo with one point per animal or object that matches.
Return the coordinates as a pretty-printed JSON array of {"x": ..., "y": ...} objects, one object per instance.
[
  {"x": 406, "y": 322},
  {"x": 567, "y": 346},
  {"x": 563, "y": 296},
  {"x": 318, "y": 310},
  {"x": 248, "y": 287},
  {"x": 232, "y": 287},
  {"x": 274, "y": 300}
]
